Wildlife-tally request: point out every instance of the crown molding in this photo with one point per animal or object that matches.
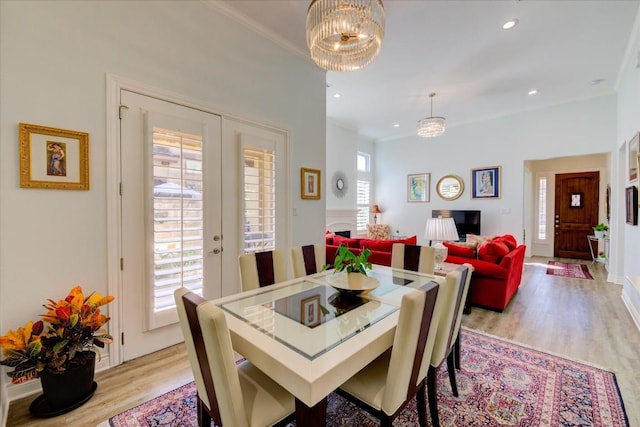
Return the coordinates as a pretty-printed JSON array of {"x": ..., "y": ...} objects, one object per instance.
[{"x": 258, "y": 28}]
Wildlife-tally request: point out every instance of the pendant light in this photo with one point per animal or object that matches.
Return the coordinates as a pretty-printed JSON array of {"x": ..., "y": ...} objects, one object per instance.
[
  {"x": 431, "y": 126},
  {"x": 345, "y": 35}
]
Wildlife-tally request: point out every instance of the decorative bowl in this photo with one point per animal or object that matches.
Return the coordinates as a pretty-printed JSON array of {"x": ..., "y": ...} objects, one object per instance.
[{"x": 355, "y": 283}]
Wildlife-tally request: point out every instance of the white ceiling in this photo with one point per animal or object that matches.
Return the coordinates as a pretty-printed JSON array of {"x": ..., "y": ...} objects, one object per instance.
[{"x": 459, "y": 50}]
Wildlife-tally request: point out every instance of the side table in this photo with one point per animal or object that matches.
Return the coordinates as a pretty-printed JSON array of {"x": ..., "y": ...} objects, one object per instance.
[
  {"x": 593, "y": 239},
  {"x": 446, "y": 268}
]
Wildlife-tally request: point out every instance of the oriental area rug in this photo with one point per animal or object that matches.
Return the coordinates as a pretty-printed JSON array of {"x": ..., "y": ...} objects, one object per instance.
[
  {"x": 500, "y": 384},
  {"x": 566, "y": 269}
]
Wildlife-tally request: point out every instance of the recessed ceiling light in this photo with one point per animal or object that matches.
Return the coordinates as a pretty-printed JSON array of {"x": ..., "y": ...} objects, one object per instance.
[
  {"x": 396, "y": 125},
  {"x": 336, "y": 95},
  {"x": 533, "y": 91},
  {"x": 510, "y": 24}
]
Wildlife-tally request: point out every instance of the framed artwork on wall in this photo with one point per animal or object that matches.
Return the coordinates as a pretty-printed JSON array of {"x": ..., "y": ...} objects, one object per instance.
[
  {"x": 631, "y": 199},
  {"x": 310, "y": 183},
  {"x": 418, "y": 187},
  {"x": 633, "y": 154},
  {"x": 53, "y": 158},
  {"x": 485, "y": 182}
]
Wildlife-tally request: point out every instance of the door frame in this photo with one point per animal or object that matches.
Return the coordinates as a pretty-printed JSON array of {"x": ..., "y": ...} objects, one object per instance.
[{"x": 114, "y": 84}]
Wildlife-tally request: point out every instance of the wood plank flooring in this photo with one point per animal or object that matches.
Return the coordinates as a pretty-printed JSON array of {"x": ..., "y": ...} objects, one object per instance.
[{"x": 584, "y": 320}]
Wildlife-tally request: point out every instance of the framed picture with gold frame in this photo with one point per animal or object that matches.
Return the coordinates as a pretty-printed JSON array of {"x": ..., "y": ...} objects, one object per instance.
[
  {"x": 53, "y": 158},
  {"x": 310, "y": 184}
]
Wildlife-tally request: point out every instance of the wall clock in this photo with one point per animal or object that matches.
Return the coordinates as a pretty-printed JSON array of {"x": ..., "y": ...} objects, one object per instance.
[{"x": 339, "y": 181}]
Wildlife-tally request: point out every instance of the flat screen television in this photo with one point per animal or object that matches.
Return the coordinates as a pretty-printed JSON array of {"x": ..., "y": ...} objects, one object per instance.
[{"x": 467, "y": 222}]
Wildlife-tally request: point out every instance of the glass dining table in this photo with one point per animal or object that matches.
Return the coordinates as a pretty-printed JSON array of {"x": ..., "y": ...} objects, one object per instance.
[{"x": 310, "y": 338}]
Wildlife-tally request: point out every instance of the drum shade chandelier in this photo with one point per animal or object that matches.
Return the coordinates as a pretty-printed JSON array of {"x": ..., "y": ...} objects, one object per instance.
[
  {"x": 431, "y": 126},
  {"x": 345, "y": 35}
]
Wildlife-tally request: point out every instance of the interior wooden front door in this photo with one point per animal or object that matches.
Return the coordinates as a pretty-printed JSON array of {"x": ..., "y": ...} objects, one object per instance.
[{"x": 576, "y": 212}]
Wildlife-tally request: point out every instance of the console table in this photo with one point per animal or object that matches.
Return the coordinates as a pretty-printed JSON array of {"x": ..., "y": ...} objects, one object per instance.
[{"x": 596, "y": 240}]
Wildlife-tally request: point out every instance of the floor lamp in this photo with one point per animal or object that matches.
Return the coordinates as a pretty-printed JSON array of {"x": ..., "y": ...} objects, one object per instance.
[{"x": 439, "y": 230}]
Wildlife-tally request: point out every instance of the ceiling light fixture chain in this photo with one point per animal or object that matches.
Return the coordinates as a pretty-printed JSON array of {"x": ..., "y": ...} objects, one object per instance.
[
  {"x": 345, "y": 35},
  {"x": 431, "y": 126}
]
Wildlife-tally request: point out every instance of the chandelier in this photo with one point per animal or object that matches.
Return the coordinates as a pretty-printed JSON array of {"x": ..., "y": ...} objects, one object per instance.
[
  {"x": 345, "y": 35},
  {"x": 431, "y": 126}
]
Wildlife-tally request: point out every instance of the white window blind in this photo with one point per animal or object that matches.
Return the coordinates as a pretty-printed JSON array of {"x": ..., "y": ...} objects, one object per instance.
[
  {"x": 178, "y": 233},
  {"x": 542, "y": 208},
  {"x": 363, "y": 204},
  {"x": 259, "y": 183}
]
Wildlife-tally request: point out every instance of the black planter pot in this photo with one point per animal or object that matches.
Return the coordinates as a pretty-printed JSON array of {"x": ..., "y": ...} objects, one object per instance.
[{"x": 66, "y": 391}]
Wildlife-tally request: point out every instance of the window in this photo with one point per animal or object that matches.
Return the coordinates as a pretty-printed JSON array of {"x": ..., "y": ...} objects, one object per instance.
[
  {"x": 259, "y": 183},
  {"x": 362, "y": 201},
  {"x": 542, "y": 208},
  {"x": 363, "y": 162},
  {"x": 363, "y": 191},
  {"x": 178, "y": 227}
]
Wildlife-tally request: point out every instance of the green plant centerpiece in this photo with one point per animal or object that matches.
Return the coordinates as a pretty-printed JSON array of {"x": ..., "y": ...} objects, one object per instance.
[
  {"x": 348, "y": 261},
  {"x": 354, "y": 278}
]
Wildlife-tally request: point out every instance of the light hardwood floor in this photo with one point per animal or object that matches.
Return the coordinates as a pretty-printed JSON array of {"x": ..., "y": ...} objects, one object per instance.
[{"x": 584, "y": 320}]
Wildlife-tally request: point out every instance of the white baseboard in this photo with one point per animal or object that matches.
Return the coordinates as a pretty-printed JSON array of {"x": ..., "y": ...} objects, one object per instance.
[
  {"x": 631, "y": 309},
  {"x": 4, "y": 407}
]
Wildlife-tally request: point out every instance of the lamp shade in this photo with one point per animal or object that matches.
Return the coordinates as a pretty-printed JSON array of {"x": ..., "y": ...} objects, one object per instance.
[
  {"x": 376, "y": 209},
  {"x": 441, "y": 229}
]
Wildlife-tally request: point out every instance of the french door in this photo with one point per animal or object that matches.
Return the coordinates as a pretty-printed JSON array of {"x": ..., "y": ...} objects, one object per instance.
[{"x": 171, "y": 216}]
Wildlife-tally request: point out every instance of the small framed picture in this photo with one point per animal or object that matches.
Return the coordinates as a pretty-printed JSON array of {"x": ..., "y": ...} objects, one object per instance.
[
  {"x": 631, "y": 199},
  {"x": 53, "y": 158},
  {"x": 633, "y": 154},
  {"x": 310, "y": 311},
  {"x": 485, "y": 182},
  {"x": 310, "y": 183},
  {"x": 418, "y": 187},
  {"x": 575, "y": 200}
]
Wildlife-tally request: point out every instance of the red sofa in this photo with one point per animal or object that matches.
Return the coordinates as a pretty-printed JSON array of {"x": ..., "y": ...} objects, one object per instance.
[
  {"x": 498, "y": 270},
  {"x": 380, "y": 249}
]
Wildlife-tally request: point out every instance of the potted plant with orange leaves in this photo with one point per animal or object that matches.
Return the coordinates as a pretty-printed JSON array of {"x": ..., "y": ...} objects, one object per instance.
[{"x": 60, "y": 350}]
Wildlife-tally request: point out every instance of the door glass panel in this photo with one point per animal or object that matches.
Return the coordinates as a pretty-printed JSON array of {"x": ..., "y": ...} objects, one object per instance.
[{"x": 178, "y": 227}]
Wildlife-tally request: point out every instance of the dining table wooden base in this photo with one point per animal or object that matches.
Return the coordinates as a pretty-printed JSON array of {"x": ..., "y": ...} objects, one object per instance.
[{"x": 314, "y": 416}]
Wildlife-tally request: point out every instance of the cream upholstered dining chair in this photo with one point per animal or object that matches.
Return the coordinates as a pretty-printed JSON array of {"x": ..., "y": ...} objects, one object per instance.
[
  {"x": 414, "y": 258},
  {"x": 258, "y": 269},
  {"x": 448, "y": 334},
  {"x": 229, "y": 395},
  {"x": 306, "y": 260},
  {"x": 385, "y": 386}
]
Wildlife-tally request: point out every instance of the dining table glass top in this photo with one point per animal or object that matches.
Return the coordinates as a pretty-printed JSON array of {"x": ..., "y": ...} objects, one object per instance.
[{"x": 311, "y": 318}]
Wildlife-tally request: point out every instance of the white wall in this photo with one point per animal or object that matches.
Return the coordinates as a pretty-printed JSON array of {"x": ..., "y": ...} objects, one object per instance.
[
  {"x": 581, "y": 127},
  {"x": 55, "y": 56},
  {"x": 628, "y": 236}
]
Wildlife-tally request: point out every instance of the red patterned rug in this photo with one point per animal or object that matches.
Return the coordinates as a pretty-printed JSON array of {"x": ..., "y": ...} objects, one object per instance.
[
  {"x": 500, "y": 384},
  {"x": 566, "y": 269}
]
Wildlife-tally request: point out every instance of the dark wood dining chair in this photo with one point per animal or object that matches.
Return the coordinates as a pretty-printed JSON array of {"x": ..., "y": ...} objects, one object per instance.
[
  {"x": 228, "y": 394},
  {"x": 306, "y": 260},
  {"x": 258, "y": 269},
  {"x": 446, "y": 347},
  {"x": 385, "y": 386},
  {"x": 413, "y": 257}
]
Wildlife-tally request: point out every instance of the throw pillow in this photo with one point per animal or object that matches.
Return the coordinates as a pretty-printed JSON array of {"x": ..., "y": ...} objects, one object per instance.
[
  {"x": 492, "y": 251},
  {"x": 474, "y": 239},
  {"x": 377, "y": 231},
  {"x": 377, "y": 245},
  {"x": 413, "y": 240},
  {"x": 461, "y": 250},
  {"x": 345, "y": 241},
  {"x": 328, "y": 240}
]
